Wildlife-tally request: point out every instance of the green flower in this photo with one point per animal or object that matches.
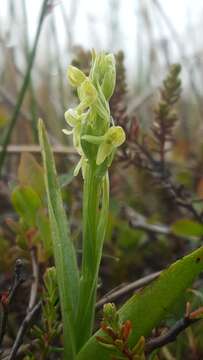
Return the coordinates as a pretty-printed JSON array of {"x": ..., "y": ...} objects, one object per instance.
[
  {"x": 90, "y": 121},
  {"x": 75, "y": 76},
  {"x": 114, "y": 137},
  {"x": 74, "y": 120},
  {"x": 87, "y": 94}
]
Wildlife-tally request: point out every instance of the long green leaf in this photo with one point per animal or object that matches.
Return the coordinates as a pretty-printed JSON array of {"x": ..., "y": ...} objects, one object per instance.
[
  {"x": 147, "y": 308},
  {"x": 64, "y": 253}
]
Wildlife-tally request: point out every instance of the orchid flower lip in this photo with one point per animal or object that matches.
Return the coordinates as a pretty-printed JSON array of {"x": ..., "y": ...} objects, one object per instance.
[{"x": 67, "y": 132}]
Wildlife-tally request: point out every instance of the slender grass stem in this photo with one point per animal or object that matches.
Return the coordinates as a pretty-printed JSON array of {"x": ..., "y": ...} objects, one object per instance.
[
  {"x": 24, "y": 87},
  {"x": 33, "y": 102}
]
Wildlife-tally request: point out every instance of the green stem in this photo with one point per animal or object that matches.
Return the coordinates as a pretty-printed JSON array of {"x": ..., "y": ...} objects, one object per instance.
[
  {"x": 93, "y": 221},
  {"x": 24, "y": 87}
]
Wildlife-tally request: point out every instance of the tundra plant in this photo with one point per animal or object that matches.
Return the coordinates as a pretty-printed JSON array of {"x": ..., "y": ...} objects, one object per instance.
[{"x": 96, "y": 138}]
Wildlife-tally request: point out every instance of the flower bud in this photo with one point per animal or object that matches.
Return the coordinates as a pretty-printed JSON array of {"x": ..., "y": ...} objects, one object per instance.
[
  {"x": 115, "y": 136},
  {"x": 109, "y": 80},
  {"x": 75, "y": 76},
  {"x": 109, "y": 311},
  {"x": 50, "y": 279},
  {"x": 110, "y": 316}
]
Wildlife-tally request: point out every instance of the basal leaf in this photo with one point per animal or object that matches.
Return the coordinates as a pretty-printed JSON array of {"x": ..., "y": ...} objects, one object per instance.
[
  {"x": 43, "y": 226},
  {"x": 64, "y": 253}
]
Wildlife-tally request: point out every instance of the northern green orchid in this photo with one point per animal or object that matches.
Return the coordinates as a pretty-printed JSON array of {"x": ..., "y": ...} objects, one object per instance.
[
  {"x": 114, "y": 137},
  {"x": 93, "y": 136},
  {"x": 75, "y": 76},
  {"x": 75, "y": 121}
]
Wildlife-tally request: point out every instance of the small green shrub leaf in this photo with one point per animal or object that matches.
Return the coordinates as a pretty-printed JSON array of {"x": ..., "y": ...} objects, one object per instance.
[
  {"x": 30, "y": 173},
  {"x": 26, "y": 202},
  {"x": 187, "y": 227}
]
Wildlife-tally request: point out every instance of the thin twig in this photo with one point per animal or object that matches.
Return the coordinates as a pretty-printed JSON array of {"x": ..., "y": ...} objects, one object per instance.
[
  {"x": 170, "y": 336},
  {"x": 6, "y": 302},
  {"x": 35, "y": 275},
  {"x": 22, "y": 350},
  {"x": 57, "y": 149},
  {"x": 22, "y": 330},
  {"x": 135, "y": 285},
  {"x": 138, "y": 221}
]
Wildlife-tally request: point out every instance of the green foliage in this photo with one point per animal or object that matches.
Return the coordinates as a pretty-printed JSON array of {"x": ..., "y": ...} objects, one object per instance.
[
  {"x": 28, "y": 199},
  {"x": 30, "y": 173},
  {"x": 26, "y": 203},
  {"x": 64, "y": 253},
  {"x": 165, "y": 116},
  {"x": 51, "y": 328},
  {"x": 117, "y": 336},
  {"x": 186, "y": 227},
  {"x": 71, "y": 292},
  {"x": 77, "y": 299},
  {"x": 150, "y": 306}
]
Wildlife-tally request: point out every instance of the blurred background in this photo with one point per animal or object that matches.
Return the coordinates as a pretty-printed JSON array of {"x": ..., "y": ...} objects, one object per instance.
[
  {"x": 151, "y": 33},
  {"x": 39, "y": 39}
]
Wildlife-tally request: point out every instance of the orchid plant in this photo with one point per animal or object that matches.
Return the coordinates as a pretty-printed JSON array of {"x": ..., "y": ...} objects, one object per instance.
[{"x": 96, "y": 138}]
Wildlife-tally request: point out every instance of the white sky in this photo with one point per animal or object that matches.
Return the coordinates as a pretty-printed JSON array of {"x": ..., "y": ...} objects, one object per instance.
[
  {"x": 97, "y": 13},
  {"x": 94, "y": 19}
]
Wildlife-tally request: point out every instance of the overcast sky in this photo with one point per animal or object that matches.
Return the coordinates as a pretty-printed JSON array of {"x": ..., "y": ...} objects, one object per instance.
[
  {"x": 98, "y": 12},
  {"x": 95, "y": 19}
]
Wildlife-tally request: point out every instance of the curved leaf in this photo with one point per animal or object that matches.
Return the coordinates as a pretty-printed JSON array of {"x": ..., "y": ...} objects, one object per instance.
[
  {"x": 64, "y": 252},
  {"x": 148, "y": 307}
]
